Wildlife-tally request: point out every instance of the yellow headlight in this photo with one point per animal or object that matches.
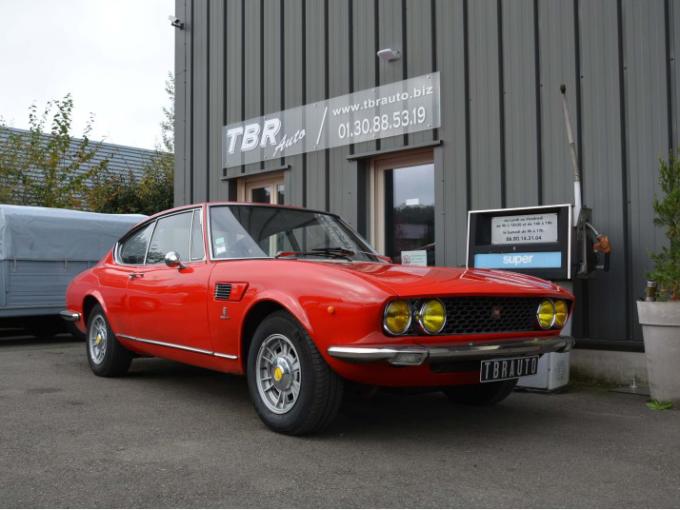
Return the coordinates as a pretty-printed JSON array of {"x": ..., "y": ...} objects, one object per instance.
[
  {"x": 546, "y": 314},
  {"x": 397, "y": 318},
  {"x": 561, "y": 313},
  {"x": 432, "y": 316}
]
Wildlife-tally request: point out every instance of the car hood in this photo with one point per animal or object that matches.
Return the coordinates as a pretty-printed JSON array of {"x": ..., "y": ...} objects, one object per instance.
[{"x": 413, "y": 281}]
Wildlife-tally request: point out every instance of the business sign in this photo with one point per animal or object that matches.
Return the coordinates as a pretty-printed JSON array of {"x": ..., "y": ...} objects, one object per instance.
[
  {"x": 395, "y": 109},
  {"x": 524, "y": 229},
  {"x": 514, "y": 261},
  {"x": 531, "y": 240}
]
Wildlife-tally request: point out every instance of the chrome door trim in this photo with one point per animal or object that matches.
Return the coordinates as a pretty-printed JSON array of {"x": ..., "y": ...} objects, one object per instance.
[
  {"x": 226, "y": 356},
  {"x": 177, "y": 346}
]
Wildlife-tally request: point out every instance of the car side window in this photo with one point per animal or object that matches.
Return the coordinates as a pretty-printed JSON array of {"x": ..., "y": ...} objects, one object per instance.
[
  {"x": 134, "y": 247},
  {"x": 197, "y": 248},
  {"x": 172, "y": 233}
]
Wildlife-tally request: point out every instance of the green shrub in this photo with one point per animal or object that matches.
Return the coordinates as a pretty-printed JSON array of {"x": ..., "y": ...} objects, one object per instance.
[{"x": 666, "y": 271}]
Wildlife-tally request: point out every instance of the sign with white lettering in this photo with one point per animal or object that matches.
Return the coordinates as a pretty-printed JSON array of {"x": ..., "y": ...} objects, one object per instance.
[
  {"x": 395, "y": 109},
  {"x": 524, "y": 229}
]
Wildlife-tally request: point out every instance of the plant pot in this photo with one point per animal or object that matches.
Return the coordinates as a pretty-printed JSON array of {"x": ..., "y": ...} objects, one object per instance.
[{"x": 660, "y": 323}]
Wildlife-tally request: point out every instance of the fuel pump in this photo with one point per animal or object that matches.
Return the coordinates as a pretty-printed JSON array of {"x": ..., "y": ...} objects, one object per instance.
[
  {"x": 590, "y": 244},
  {"x": 555, "y": 242}
]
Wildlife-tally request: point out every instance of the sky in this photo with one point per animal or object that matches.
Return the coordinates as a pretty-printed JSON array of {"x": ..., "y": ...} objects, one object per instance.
[{"x": 112, "y": 56}]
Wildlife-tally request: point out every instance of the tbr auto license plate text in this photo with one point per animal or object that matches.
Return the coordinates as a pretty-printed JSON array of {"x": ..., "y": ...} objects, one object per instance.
[{"x": 507, "y": 368}]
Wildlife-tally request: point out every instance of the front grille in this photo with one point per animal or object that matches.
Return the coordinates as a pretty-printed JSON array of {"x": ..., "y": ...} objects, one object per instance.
[
  {"x": 470, "y": 315},
  {"x": 222, "y": 291}
]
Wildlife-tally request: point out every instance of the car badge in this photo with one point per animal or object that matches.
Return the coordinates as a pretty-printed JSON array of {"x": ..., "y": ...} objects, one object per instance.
[{"x": 496, "y": 313}]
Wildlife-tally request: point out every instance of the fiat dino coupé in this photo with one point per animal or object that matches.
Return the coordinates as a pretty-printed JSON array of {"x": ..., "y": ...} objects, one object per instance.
[{"x": 297, "y": 301}]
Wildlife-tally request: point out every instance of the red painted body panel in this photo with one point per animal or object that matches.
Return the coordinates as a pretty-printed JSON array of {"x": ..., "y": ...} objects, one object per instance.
[{"x": 179, "y": 307}]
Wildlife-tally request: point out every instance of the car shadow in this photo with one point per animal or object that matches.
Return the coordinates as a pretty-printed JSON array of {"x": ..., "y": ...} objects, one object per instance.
[{"x": 396, "y": 414}]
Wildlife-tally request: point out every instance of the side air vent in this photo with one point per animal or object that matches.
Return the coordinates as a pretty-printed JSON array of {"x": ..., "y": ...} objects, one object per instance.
[{"x": 222, "y": 291}]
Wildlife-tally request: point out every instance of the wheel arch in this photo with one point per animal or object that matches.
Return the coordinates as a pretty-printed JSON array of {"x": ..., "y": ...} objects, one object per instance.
[
  {"x": 89, "y": 302},
  {"x": 257, "y": 313}
]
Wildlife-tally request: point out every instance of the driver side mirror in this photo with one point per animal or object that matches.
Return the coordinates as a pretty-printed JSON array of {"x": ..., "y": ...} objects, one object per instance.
[{"x": 172, "y": 260}]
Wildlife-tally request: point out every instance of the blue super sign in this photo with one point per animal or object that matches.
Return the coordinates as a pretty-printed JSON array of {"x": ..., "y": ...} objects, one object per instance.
[{"x": 532, "y": 260}]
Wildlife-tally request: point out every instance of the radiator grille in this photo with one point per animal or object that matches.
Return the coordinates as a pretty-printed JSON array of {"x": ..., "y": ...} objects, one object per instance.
[
  {"x": 222, "y": 291},
  {"x": 466, "y": 315}
]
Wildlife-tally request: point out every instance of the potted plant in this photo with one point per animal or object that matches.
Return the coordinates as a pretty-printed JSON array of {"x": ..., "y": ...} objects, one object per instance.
[{"x": 660, "y": 319}]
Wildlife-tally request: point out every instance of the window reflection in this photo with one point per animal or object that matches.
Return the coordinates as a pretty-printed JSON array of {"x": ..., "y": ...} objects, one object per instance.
[{"x": 409, "y": 211}]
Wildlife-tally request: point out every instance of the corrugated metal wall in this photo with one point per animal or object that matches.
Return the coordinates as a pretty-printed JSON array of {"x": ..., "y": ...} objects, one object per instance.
[{"x": 502, "y": 136}]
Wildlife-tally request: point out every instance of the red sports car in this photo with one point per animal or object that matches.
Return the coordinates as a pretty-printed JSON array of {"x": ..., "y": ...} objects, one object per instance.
[{"x": 298, "y": 302}]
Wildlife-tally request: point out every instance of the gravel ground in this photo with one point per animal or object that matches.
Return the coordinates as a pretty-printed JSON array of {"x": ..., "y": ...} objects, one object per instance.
[{"x": 174, "y": 436}]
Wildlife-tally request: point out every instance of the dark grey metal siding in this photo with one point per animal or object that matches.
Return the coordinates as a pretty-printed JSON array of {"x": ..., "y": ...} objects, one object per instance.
[{"x": 502, "y": 136}]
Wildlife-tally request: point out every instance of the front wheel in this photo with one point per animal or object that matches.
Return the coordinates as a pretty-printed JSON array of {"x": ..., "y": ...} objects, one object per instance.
[
  {"x": 293, "y": 389},
  {"x": 485, "y": 394},
  {"x": 107, "y": 358}
]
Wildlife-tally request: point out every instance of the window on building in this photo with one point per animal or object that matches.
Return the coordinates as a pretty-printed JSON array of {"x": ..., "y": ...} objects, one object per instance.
[
  {"x": 262, "y": 189},
  {"x": 403, "y": 206}
]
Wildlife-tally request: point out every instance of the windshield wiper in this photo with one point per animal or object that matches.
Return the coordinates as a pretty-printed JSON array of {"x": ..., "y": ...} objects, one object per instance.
[{"x": 331, "y": 251}]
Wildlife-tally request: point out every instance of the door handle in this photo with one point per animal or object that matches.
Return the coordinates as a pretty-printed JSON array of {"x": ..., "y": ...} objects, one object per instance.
[{"x": 132, "y": 276}]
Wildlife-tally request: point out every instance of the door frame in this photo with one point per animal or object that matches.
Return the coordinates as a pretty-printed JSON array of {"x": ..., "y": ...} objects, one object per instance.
[
  {"x": 376, "y": 186},
  {"x": 245, "y": 185}
]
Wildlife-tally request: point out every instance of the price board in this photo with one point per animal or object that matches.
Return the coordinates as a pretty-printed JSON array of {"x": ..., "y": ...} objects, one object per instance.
[{"x": 530, "y": 240}]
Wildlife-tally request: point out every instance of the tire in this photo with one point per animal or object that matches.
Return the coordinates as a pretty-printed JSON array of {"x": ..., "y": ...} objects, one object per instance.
[
  {"x": 293, "y": 389},
  {"x": 111, "y": 360},
  {"x": 486, "y": 394}
]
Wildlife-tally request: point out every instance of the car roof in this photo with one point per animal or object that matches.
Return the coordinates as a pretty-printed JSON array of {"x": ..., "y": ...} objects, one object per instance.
[{"x": 247, "y": 204}]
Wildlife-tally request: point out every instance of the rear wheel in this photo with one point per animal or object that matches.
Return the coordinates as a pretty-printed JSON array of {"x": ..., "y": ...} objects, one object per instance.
[
  {"x": 293, "y": 389},
  {"x": 480, "y": 394},
  {"x": 107, "y": 358}
]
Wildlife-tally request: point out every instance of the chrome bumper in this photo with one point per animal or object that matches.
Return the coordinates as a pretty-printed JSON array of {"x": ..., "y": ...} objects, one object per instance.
[
  {"x": 70, "y": 315},
  {"x": 417, "y": 354}
]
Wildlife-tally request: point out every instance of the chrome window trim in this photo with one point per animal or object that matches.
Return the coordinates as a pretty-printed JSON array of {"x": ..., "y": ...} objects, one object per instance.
[
  {"x": 116, "y": 252},
  {"x": 178, "y": 346},
  {"x": 198, "y": 210},
  {"x": 189, "y": 210},
  {"x": 120, "y": 242}
]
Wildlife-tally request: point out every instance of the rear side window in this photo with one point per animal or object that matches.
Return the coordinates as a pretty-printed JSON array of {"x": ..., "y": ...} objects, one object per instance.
[
  {"x": 133, "y": 248},
  {"x": 197, "y": 249},
  {"x": 172, "y": 233}
]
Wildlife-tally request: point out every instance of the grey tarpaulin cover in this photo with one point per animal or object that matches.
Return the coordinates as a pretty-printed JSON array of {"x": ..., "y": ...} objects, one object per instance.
[{"x": 42, "y": 233}]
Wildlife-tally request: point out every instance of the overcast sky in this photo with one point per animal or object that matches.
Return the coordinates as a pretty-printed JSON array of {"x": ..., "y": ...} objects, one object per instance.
[{"x": 112, "y": 56}]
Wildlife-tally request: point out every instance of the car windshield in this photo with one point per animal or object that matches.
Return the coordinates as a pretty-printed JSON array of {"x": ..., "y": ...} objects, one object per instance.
[{"x": 258, "y": 232}]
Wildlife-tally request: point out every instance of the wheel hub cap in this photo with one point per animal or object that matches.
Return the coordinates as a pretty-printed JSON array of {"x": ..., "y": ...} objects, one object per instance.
[
  {"x": 97, "y": 338},
  {"x": 282, "y": 374},
  {"x": 277, "y": 373}
]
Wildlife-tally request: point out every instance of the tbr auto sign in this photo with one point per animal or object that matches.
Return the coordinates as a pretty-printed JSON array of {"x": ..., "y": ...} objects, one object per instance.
[{"x": 394, "y": 109}]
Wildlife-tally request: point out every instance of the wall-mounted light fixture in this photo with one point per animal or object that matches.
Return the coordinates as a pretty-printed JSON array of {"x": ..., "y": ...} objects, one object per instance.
[
  {"x": 176, "y": 22},
  {"x": 389, "y": 54}
]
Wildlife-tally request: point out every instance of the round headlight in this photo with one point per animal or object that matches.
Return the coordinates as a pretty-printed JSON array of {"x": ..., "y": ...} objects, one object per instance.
[
  {"x": 561, "y": 313},
  {"x": 546, "y": 314},
  {"x": 432, "y": 316},
  {"x": 397, "y": 318}
]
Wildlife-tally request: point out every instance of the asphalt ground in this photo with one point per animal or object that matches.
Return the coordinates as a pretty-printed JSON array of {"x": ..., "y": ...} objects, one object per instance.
[{"x": 169, "y": 435}]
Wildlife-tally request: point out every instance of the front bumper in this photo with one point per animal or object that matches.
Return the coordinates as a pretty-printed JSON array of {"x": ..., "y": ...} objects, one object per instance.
[{"x": 412, "y": 355}]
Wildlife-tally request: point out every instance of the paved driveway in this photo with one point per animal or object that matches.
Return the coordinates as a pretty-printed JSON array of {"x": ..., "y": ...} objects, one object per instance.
[{"x": 169, "y": 435}]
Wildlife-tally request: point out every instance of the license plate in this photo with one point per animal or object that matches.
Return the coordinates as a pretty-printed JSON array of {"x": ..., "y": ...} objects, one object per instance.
[{"x": 507, "y": 368}]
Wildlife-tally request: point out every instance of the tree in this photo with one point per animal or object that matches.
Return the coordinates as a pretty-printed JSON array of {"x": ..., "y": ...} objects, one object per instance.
[
  {"x": 154, "y": 191},
  {"x": 49, "y": 168}
]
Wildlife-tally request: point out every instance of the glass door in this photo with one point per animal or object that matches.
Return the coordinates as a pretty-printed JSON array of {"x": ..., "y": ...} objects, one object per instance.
[{"x": 403, "y": 208}]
